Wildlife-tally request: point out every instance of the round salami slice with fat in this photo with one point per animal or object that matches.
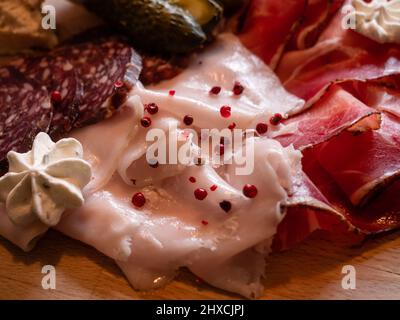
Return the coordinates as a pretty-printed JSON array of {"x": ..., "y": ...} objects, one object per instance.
[
  {"x": 72, "y": 86},
  {"x": 25, "y": 110},
  {"x": 57, "y": 74},
  {"x": 107, "y": 69}
]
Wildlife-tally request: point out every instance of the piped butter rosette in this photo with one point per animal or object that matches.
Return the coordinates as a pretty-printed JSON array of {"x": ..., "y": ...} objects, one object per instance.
[
  {"x": 378, "y": 20},
  {"x": 44, "y": 182}
]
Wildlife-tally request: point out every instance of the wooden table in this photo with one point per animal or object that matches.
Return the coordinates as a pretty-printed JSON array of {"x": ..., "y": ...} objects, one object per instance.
[{"x": 310, "y": 271}]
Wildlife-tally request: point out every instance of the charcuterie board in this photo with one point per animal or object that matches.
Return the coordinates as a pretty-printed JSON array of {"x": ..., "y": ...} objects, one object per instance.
[{"x": 78, "y": 109}]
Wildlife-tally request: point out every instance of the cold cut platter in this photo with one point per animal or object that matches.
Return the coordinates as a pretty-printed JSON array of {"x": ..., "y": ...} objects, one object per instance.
[{"x": 209, "y": 140}]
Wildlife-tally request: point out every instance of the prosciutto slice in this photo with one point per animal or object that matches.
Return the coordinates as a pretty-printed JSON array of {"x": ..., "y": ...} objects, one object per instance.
[
  {"x": 296, "y": 24},
  {"x": 339, "y": 54},
  {"x": 313, "y": 22},
  {"x": 367, "y": 160},
  {"x": 268, "y": 25},
  {"x": 331, "y": 114},
  {"x": 379, "y": 215},
  {"x": 308, "y": 210},
  {"x": 350, "y": 172},
  {"x": 308, "y": 78},
  {"x": 348, "y": 135}
]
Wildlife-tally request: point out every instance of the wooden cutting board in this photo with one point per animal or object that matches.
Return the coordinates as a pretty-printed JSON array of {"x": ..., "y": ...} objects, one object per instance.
[{"x": 310, "y": 271}]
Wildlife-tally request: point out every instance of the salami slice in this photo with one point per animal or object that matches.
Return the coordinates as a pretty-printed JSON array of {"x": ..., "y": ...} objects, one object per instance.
[
  {"x": 25, "y": 110},
  {"x": 72, "y": 86},
  {"x": 59, "y": 77},
  {"x": 107, "y": 69}
]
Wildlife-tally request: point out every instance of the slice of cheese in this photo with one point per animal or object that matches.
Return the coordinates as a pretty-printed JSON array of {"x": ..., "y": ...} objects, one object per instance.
[{"x": 21, "y": 27}]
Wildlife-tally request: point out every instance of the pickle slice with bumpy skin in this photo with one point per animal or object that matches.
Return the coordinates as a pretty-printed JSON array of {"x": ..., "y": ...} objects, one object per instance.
[
  {"x": 206, "y": 12},
  {"x": 153, "y": 25}
]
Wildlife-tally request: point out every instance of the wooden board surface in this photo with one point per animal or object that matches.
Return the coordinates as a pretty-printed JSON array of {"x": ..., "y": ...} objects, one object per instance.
[{"x": 310, "y": 271}]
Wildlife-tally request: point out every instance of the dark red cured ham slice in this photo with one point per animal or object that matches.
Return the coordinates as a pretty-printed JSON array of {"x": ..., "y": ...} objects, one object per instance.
[
  {"x": 268, "y": 25},
  {"x": 273, "y": 26},
  {"x": 340, "y": 217},
  {"x": 25, "y": 111},
  {"x": 350, "y": 178},
  {"x": 366, "y": 162},
  {"x": 350, "y": 134},
  {"x": 382, "y": 94},
  {"x": 56, "y": 74},
  {"x": 315, "y": 19},
  {"x": 302, "y": 220},
  {"x": 380, "y": 214},
  {"x": 339, "y": 54},
  {"x": 308, "y": 210},
  {"x": 334, "y": 112},
  {"x": 370, "y": 160},
  {"x": 332, "y": 63},
  {"x": 100, "y": 65}
]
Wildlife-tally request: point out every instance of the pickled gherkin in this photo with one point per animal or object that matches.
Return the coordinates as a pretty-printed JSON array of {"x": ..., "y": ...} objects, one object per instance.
[
  {"x": 154, "y": 25},
  {"x": 206, "y": 12}
]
